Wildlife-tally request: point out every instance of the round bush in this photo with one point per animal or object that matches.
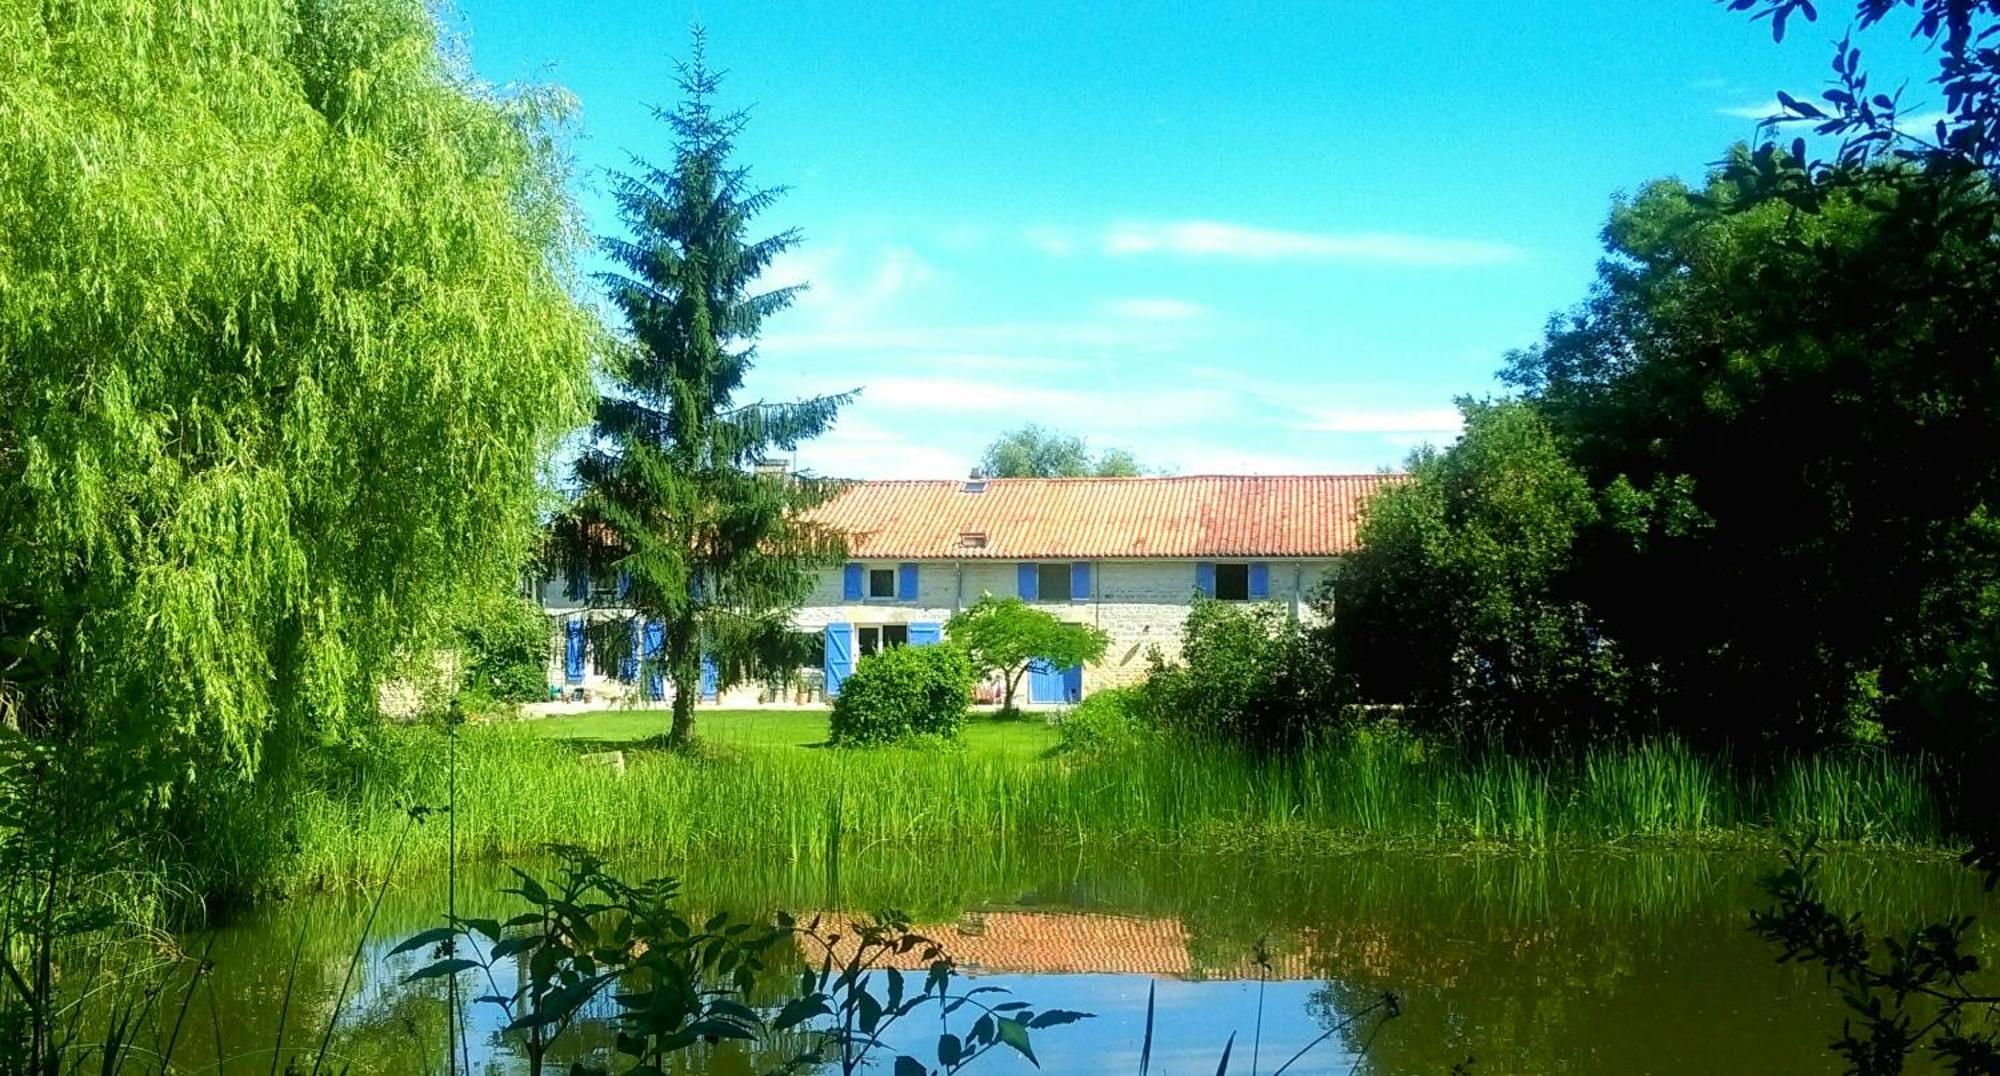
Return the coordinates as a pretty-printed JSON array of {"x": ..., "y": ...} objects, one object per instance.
[
  {"x": 893, "y": 693},
  {"x": 1103, "y": 723}
]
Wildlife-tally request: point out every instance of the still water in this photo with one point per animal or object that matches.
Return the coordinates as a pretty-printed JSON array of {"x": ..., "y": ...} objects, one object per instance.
[{"x": 1575, "y": 963}]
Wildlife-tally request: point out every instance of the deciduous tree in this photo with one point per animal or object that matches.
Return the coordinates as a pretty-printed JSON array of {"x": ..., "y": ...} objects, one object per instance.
[
  {"x": 1006, "y": 635},
  {"x": 286, "y": 331}
]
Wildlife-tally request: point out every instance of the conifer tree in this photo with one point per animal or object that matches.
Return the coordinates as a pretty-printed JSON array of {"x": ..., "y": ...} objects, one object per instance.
[{"x": 670, "y": 497}]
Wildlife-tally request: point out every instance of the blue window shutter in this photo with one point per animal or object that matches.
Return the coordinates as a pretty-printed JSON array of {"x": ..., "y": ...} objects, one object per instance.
[
  {"x": 711, "y": 678},
  {"x": 906, "y": 581},
  {"x": 1079, "y": 581},
  {"x": 573, "y": 651},
  {"x": 624, "y": 582},
  {"x": 839, "y": 656},
  {"x": 655, "y": 640},
  {"x": 850, "y": 583},
  {"x": 579, "y": 583},
  {"x": 1204, "y": 577},
  {"x": 1025, "y": 581},
  {"x": 1260, "y": 580},
  {"x": 926, "y": 633},
  {"x": 628, "y": 666},
  {"x": 1073, "y": 684}
]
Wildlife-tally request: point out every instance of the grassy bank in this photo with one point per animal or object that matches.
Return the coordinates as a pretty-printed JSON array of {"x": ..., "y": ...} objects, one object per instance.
[{"x": 774, "y": 795}]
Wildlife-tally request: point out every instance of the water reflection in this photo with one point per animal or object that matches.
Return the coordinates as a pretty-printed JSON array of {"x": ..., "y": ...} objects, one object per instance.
[{"x": 1599, "y": 963}]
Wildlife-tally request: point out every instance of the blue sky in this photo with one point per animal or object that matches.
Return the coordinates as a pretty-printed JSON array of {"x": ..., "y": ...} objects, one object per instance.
[{"x": 1259, "y": 238}]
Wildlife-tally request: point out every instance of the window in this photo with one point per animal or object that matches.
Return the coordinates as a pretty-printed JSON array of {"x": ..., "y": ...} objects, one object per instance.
[
  {"x": 1052, "y": 583},
  {"x": 881, "y": 582},
  {"x": 868, "y": 640},
  {"x": 1232, "y": 582}
]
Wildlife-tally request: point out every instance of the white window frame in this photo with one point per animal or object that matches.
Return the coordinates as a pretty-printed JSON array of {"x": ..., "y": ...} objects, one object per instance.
[{"x": 868, "y": 583}]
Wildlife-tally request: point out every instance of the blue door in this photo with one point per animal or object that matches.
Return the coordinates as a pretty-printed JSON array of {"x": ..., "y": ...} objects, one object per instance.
[{"x": 1048, "y": 684}]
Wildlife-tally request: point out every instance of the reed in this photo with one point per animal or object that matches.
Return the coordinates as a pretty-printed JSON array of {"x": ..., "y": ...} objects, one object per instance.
[{"x": 517, "y": 793}]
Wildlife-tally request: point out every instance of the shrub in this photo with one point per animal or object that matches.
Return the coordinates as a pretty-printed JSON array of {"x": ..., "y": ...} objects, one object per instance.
[
  {"x": 1104, "y": 723},
  {"x": 904, "y": 690},
  {"x": 507, "y": 650},
  {"x": 1245, "y": 676}
]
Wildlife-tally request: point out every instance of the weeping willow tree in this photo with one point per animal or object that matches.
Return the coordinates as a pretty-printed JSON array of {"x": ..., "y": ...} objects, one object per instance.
[
  {"x": 286, "y": 329},
  {"x": 716, "y": 552}
]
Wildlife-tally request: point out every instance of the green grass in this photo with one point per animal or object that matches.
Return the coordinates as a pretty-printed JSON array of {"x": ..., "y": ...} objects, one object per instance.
[
  {"x": 1025, "y": 738},
  {"x": 762, "y": 788}
]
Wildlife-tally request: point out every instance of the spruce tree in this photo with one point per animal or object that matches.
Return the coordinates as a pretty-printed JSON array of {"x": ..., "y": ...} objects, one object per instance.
[{"x": 669, "y": 493}]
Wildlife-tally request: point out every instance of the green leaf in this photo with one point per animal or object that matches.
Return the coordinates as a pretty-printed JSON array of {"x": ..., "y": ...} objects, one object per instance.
[
  {"x": 1015, "y": 1034},
  {"x": 441, "y": 968},
  {"x": 949, "y": 1050},
  {"x": 910, "y": 1066},
  {"x": 424, "y": 939}
]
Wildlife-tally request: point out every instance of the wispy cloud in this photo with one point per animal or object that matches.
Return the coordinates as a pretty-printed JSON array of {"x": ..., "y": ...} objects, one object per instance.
[
  {"x": 1154, "y": 309},
  {"x": 1208, "y": 238},
  {"x": 1417, "y": 421}
]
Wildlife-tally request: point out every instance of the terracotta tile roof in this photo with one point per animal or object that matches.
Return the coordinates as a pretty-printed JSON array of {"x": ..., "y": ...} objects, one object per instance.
[
  {"x": 1029, "y": 518},
  {"x": 1062, "y": 943}
]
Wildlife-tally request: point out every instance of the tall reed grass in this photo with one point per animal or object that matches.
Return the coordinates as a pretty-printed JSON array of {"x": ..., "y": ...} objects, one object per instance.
[{"x": 517, "y": 793}]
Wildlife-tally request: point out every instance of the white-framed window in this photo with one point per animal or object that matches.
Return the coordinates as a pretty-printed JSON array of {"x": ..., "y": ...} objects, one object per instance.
[
  {"x": 881, "y": 583},
  {"x": 1232, "y": 582},
  {"x": 869, "y": 638}
]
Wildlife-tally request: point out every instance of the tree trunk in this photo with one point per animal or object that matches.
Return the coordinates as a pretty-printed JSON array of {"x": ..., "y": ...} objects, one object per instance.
[{"x": 684, "y": 673}]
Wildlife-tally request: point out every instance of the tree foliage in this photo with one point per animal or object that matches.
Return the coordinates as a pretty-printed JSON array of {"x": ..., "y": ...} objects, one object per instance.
[
  {"x": 1035, "y": 452},
  {"x": 670, "y": 498},
  {"x": 1005, "y": 635},
  {"x": 285, "y": 333},
  {"x": 1245, "y": 675}
]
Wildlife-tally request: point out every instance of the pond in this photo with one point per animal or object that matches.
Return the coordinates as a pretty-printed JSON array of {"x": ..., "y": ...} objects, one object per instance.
[{"x": 1591, "y": 963}]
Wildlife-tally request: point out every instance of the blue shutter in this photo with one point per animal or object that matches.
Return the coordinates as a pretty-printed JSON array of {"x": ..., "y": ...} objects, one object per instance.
[
  {"x": 850, "y": 583},
  {"x": 1260, "y": 580},
  {"x": 926, "y": 633},
  {"x": 906, "y": 581},
  {"x": 1025, "y": 582},
  {"x": 1204, "y": 578},
  {"x": 839, "y": 656},
  {"x": 573, "y": 651},
  {"x": 655, "y": 640},
  {"x": 1079, "y": 581},
  {"x": 579, "y": 583},
  {"x": 711, "y": 678},
  {"x": 1072, "y": 679},
  {"x": 628, "y": 666},
  {"x": 624, "y": 582}
]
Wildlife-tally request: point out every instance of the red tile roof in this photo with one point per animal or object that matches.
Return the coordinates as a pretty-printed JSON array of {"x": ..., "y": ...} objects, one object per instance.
[
  {"x": 1003, "y": 941},
  {"x": 1028, "y": 518}
]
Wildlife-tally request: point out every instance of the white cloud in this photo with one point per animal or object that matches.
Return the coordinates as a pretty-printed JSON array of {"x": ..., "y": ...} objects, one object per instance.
[
  {"x": 1055, "y": 242},
  {"x": 1419, "y": 421},
  {"x": 1154, "y": 309},
  {"x": 1207, "y": 238},
  {"x": 1752, "y": 112}
]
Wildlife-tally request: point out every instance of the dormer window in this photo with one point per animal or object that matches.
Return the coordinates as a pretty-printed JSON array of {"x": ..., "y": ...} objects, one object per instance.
[
  {"x": 972, "y": 540},
  {"x": 974, "y": 485}
]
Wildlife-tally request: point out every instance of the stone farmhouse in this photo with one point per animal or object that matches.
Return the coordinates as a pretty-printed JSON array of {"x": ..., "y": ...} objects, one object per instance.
[{"x": 1128, "y": 555}]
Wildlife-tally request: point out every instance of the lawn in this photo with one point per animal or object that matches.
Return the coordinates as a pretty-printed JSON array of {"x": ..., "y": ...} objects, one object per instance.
[{"x": 1028, "y": 737}]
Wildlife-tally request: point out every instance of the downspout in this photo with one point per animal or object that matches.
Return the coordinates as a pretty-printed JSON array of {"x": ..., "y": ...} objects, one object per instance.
[
  {"x": 957, "y": 587},
  {"x": 1298, "y": 588}
]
